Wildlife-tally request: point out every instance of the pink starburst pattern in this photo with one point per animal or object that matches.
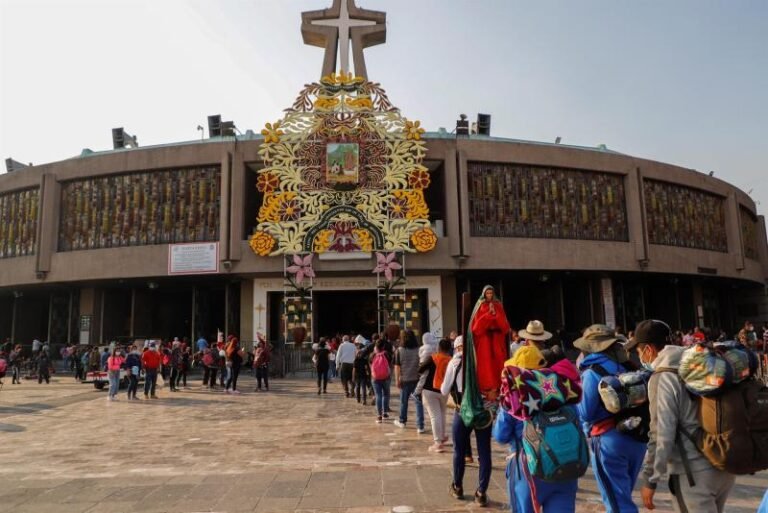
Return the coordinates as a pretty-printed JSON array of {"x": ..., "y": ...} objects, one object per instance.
[
  {"x": 301, "y": 268},
  {"x": 387, "y": 264}
]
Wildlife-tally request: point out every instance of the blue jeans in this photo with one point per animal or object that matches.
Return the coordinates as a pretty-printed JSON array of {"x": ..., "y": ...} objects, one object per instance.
[
  {"x": 406, "y": 391},
  {"x": 461, "y": 442},
  {"x": 150, "y": 381},
  {"x": 382, "y": 395},
  {"x": 114, "y": 383}
]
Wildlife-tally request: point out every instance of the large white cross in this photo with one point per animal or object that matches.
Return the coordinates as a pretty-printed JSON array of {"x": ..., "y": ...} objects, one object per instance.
[{"x": 344, "y": 25}]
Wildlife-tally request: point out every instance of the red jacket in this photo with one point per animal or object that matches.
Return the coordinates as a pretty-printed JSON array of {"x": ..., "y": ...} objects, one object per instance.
[{"x": 151, "y": 359}]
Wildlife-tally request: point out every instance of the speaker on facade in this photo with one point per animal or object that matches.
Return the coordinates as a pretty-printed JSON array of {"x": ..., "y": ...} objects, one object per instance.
[
  {"x": 484, "y": 124},
  {"x": 462, "y": 126},
  {"x": 214, "y": 125}
]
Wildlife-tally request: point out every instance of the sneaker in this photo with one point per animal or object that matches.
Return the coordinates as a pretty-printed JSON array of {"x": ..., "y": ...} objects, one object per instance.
[
  {"x": 399, "y": 424},
  {"x": 436, "y": 447},
  {"x": 386, "y": 415},
  {"x": 318, "y": 391},
  {"x": 481, "y": 499},
  {"x": 420, "y": 431},
  {"x": 378, "y": 419},
  {"x": 468, "y": 460},
  {"x": 236, "y": 392},
  {"x": 457, "y": 492}
]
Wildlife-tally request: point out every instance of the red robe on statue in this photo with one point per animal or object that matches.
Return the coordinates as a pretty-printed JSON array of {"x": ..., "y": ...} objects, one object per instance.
[{"x": 489, "y": 333}]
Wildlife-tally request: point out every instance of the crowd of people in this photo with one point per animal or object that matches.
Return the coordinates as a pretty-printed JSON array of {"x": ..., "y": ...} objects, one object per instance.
[
  {"x": 496, "y": 383},
  {"x": 621, "y": 449}
]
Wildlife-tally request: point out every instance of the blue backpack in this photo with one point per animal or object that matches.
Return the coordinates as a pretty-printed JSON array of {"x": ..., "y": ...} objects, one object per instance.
[{"x": 554, "y": 445}]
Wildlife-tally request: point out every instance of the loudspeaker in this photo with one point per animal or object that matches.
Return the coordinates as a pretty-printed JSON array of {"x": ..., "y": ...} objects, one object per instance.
[
  {"x": 214, "y": 126},
  {"x": 462, "y": 127},
  {"x": 484, "y": 124}
]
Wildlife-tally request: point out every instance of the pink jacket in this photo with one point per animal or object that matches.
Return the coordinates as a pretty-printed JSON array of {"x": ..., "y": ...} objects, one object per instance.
[{"x": 114, "y": 363}]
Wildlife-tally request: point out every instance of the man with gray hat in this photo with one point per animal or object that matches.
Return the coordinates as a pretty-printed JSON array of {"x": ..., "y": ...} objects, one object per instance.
[{"x": 616, "y": 456}]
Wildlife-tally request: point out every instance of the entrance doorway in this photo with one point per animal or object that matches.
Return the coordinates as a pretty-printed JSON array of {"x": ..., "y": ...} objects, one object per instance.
[{"x": 345, "y": 312}]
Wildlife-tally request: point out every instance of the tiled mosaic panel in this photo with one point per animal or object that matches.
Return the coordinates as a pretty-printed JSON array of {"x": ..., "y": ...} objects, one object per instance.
[
  {"x": 155, "y": 207},
  {"x": 749, "y": 233},
  {"x": 512, "y": 200},
  {"x": 18, "y": 229},
  {"x": 685, "y": 217}
]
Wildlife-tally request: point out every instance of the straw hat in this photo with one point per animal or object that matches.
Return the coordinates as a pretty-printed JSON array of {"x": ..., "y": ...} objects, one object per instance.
[{"x": 534, "y": 331}]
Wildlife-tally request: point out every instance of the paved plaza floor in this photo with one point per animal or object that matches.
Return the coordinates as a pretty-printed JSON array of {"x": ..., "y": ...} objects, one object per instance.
[{"x": 67, "y": 449}]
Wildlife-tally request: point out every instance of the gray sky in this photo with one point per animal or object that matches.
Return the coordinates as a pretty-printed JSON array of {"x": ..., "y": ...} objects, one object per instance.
[{"x": 683, "y": 82}]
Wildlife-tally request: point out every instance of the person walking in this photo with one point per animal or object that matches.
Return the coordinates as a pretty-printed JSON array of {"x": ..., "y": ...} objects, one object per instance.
[
  {"x": 132, "y": 366},
  {"x": 261, "y": 358},
  {"x": 453, "y": 386},
  {"x": 234, "y": 355},
  {"x": 150, "y": 361},
  {"x": 434, "y": 369},
  {"x": 696, "y": 485},
  {"x": 175, "y": 364},
  {"x": 360, "y": 371},
  {"x": 345, "y": 359},
  {"x": 381, "y": 365},
  {"x": 558, "y": 497},
  {"x": 43, "y": 367},
  {"x": 616, "y": 457},
  {"x": 186, "y": 362},
  {"x": 14, "y": 360},
  {"x": 114, "y": 364},
  {"x": 406, "y": 378},
  {"x": 103, "y": 360},
  {"x": 321, "y": 360}
]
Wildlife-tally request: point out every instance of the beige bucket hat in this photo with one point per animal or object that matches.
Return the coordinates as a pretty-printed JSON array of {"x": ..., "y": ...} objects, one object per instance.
[{"x": 597, "y": 338}]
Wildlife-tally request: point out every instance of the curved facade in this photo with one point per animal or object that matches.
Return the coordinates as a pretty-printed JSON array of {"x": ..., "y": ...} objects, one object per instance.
[{"x": 567, "y": 234}]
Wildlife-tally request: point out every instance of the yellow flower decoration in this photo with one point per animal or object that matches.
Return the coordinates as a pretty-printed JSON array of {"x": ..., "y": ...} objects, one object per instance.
[
  {"x": 323, "y": 241},
  {"x": 417, "y": 207},
  {"x": 326, "y": 103},
  {"x": 272, "y": 133},
  {"x": 424, "y": 240},
  {"x": 363, "y": 102},
  {"x": 261, "y": 243},
  {"x": 364, "y": 239},
  {"x": 413, "y": 130},
  {"x": 270, "y": 210}
]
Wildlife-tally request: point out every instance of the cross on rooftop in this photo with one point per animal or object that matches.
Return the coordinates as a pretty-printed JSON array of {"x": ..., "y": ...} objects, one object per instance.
[{"x": 334, "y": 29}]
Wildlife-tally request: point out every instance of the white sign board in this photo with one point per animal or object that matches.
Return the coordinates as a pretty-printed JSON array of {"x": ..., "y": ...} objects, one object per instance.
[{"x": 196, "y": 258}]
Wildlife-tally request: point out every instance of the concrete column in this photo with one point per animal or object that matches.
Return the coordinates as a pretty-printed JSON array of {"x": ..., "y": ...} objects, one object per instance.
[
  {"x": 733, "y": 231},
  {"x": 247, "y": 321},
  {"x": 90, "y": 305},
  {"x": 450, "y": 306},
  {"x": 47, "y": 223},
  {"x": 452, "y": 195},
  {"x": 236, "y": 202},
  {"x": 636, "y": 220},
  {"x": 224, "y": 196},
  {"x": 698, "y": 303},
  {"x": 463, "y": 183}
]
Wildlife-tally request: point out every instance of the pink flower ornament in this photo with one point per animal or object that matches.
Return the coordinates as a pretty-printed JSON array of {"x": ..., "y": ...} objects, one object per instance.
[
  {"x": 302, "y": 267},
  {"x": 386, "y": 264}
]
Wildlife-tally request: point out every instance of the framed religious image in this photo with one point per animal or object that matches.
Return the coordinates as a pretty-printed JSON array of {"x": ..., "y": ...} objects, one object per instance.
[{"x": 342, "y": 163}]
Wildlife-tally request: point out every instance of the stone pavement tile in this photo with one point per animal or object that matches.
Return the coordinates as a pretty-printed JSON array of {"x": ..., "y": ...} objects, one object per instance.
[
  {"x": 399, "y": 486},
  {"x": 187, "y": 506},
  {"x": 186, "y": 480},
  {"x": 239, "y": 502},
  {"x": 320, "y": 501},
  {"x": 352, "y": 499},
  {"x": 379, "y": 509},
  {"x": 209, "y": 492},
  {"x": 286, "y": 489},
  {"x": 405, "y": 499},
  {"x": 296, "y": 475},
  {"x": 37, "y": 507},
  {"x": 276, "y": 505},
  {"x": 90, "y": 494}
]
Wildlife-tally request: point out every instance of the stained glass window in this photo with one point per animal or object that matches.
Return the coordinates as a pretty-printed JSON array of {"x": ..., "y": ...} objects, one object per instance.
[
  {"x": 154, "y": 207},
  {"x": 681, "y": 216},
  {"x": 18, "y": 229},
  {"x": 513, "y": 200},
  {"x": 748, "y": 233}
]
